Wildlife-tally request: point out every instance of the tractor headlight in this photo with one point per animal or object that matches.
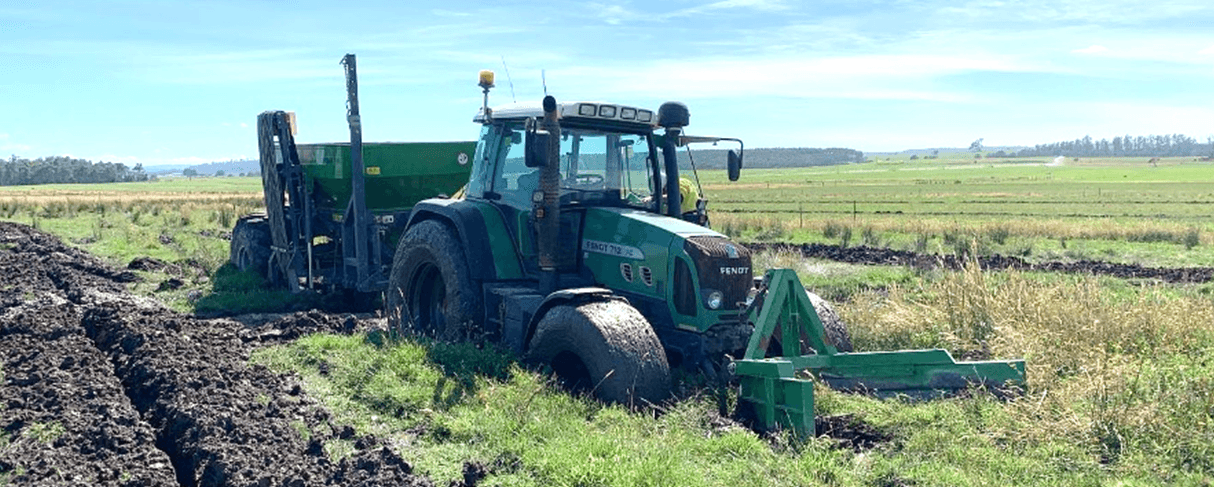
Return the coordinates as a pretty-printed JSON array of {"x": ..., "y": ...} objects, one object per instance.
[{"x": 713, "y": 299}]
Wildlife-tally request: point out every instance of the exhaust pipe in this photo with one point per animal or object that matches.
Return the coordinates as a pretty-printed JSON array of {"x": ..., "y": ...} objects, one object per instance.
[{"x": 548, "y": 215}]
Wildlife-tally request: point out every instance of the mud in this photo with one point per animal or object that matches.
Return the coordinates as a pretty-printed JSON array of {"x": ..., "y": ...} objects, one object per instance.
[
  {"x": 882, "y": 256},
  {"x": 104, "y": 388},
  {"x": 850, "y": 432}
]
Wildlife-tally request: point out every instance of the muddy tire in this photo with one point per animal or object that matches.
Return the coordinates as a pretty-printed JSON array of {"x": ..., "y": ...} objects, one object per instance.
[
  {"x": 605, "y": 348},
  {"x": 429, "y": 291},
  {"x": 836, "y": 329},
  {"x": 250, "y": 246}
]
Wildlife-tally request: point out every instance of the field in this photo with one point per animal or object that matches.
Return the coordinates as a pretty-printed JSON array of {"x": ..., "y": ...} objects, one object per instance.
[
  {"x": 1121, "y": 369},
  {"x": 1099, "y": 209}
]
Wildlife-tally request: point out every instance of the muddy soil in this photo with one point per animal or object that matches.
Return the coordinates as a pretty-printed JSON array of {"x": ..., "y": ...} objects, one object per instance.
[
  {"x": 850, "y": 432},
  {"x": 880, "y": 256},
  {"x": 103, "y": 388}
]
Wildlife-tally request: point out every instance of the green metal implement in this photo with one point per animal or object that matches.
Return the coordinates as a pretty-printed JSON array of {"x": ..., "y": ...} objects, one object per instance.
[{"x": 782, "y": 395}]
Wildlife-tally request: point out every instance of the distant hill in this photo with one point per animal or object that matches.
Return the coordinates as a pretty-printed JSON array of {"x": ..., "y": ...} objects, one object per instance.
[
  {"x": 774, "y": 157},
  {"x": 166, "y": 169},
  {"x": 944, "y": 150},
  {"x": 228, "y": 167},
  {"x": 210, "y": 168}
]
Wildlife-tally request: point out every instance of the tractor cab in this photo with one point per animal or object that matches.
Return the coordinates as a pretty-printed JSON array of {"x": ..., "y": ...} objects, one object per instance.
[{"x": 603, "y": 161}]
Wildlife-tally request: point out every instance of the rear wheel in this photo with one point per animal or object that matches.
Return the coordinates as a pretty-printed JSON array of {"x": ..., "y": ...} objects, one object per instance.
[
  {"x": 605, "y": 348},
  {"x": 250, "y": 246},
  {"x": 429, "y": 291}
]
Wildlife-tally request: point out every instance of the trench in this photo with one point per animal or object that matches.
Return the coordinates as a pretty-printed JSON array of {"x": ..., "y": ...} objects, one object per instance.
[
  {"x": 884, "y": 256},
  {"x": 181, "y": 388}
]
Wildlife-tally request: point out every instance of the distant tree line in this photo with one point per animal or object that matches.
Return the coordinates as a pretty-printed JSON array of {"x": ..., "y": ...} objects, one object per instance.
[
  {"x": 778, "y": 157},
  {"x": 1175, "y": 145},
  {"x": 61, "y": 169}
]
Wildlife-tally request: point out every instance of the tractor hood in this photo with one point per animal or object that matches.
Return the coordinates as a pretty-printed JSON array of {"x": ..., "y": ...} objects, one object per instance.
[
  {"x": 677, "y": 262},
  {"x": 629, "y": 250},
  {"x": 674, "y": 226}
]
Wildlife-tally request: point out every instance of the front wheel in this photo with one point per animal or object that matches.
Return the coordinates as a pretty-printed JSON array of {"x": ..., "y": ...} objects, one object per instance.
[
  {"x": 836, "y": 329},
  {"x": 605, "y": 348}
]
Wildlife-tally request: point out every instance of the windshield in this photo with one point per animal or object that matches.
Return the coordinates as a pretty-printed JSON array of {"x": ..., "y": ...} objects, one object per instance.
[{"x": 596, "y": 168}]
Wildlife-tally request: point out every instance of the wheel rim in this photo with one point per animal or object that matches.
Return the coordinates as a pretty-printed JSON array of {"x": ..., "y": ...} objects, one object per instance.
[
  {"x": 571, "y": 370},
  {"x": 426, "y": 299},
  {"x": 244, "y": 259}
]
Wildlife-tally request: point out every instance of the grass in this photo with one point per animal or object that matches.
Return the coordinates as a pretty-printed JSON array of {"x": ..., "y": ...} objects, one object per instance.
[
  {"x": 45, "y": 433},
  {"x": 835, "y": 281},
  {"x": 523, "y": 428},
  {"x": 1119, "y": 391}
]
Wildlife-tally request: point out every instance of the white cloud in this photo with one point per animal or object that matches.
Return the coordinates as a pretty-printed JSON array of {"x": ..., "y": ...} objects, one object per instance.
[
  {"x": 759, "y": 5},
  {"x": 128, "y": 160},
  {"x": 1207, "y": 51},
  {"x": 616, "y": 14},
  {"x": 449, "y": 13},
  {"x": 1126, "y": 12},
  {"x": 6, "y": 146},
  {"x": 1092, "y": 49},
  {"x": 869, "y": 77}
]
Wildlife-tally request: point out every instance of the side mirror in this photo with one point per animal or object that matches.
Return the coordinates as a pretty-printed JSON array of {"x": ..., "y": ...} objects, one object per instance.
[
  {"x": 536, "y": 152},
  {"x": 734, "y": 165}
]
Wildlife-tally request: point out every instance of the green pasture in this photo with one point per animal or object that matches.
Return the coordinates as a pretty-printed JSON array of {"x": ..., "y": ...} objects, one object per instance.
[
  {"x": 1122, "y": 210},
  {"x": 251, "y": 185}
]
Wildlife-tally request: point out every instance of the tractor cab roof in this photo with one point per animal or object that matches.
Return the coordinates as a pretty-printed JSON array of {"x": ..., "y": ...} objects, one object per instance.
[{"x": 582, "y": 111}]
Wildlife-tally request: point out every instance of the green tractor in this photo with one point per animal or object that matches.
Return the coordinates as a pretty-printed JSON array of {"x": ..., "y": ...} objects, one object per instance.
[{"x": 569, "y": 243}]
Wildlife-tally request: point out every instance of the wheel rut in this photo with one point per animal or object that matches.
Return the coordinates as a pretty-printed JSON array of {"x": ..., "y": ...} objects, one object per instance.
[{"x": 105, "y": 388}]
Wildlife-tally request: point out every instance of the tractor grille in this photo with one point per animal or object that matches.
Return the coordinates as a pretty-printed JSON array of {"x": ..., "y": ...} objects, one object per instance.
[{"x": 721, "y": 265}]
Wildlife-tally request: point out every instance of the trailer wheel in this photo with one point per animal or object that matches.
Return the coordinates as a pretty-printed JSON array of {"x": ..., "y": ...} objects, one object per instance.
[
  {"x": 836, "y": 330},
  {"x": 429, "y": 291},
  {"x": 250, "y": 246},
  {"x": 605, "y": 348}
]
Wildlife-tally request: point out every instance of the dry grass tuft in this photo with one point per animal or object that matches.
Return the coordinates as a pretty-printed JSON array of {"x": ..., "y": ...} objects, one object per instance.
[{"x": 1122, "y": 375}]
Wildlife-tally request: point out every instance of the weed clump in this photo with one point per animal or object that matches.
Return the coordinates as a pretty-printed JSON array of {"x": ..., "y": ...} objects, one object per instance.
[{"x": 1192, "y": 238}]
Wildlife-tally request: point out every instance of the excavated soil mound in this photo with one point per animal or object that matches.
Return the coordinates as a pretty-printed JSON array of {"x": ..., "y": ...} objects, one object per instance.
[
  {"x": 290, "y": 327},
  {"x": 880, "y": 256},
  {"x": 104, "y": 388}
]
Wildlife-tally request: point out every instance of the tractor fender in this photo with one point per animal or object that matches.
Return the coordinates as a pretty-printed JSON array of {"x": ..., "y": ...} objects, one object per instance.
[
  {"x": 573, "y": 296},
  {"x": 470, "y": 230}
]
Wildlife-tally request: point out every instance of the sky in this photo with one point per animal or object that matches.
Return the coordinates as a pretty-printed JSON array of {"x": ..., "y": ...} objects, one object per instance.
[{"x": 180, "y": 82}]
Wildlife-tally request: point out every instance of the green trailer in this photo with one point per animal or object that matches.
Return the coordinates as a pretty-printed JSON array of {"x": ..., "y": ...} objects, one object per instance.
[
  {"x": 397, "y": 174},
  {"x": 334, "y": 211}
]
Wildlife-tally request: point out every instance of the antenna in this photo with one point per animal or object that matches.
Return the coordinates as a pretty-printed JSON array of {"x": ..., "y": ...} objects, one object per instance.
[
  {"x": 544, "y": 79},
  {"x": 508, "y": 80}
]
